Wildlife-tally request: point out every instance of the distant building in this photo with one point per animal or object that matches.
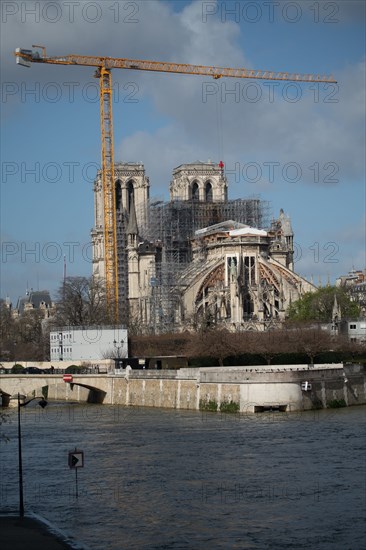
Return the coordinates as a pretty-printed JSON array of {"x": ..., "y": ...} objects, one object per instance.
[
  {"x": 35, "y": 300},
  {"x": 356, "y": 330},
  {"x": 355, "y": 285},
  {"x": 358, "y": 294},
  {"x": 354, "y": 277},
  {"x": 88, "y": 343}
]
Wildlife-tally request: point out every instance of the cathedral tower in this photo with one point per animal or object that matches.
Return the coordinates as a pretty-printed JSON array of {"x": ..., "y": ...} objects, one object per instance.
[
  {"x": 131, "y": 188},
  {"x": 199, "y": 181}
]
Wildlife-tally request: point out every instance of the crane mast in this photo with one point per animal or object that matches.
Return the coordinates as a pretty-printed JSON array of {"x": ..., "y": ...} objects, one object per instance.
[
  {"x": 104, "y": 66},
  {"x": 109, "y": 203}
]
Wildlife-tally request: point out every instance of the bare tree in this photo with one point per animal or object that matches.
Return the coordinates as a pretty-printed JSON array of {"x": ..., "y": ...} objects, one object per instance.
[
  {"x": 217, "y": 343},
  {"x": 22, "y": 338},
  {"x": 313, "y": 341},
  {"x": 351, "y": 347},
  {"x": 266, "y": 344},
  {"x": 81, "y": 301},
  {"x": 7, "y": 332}
]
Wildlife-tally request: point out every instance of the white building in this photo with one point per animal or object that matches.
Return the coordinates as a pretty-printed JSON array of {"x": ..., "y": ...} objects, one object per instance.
[
  {"x": 356, "y": 331},
  {"x": 88, "y": 343}
]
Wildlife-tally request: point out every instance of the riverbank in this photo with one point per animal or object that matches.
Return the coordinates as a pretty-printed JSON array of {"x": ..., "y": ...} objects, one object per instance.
[
  {"x": 287, "y": 388},
  {"x": 32, "y": 533}
]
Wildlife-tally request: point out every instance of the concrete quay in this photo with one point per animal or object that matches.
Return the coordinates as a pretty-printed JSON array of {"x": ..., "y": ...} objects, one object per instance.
[
  {"x": 32, "y": 533},
  {"x": 252, "y": 389}
]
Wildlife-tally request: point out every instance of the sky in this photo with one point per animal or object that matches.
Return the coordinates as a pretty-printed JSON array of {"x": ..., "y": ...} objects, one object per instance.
[{"x": 301, "y": 147}]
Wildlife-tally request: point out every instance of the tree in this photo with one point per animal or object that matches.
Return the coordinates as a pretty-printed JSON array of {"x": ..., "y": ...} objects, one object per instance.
[
  {"x": 353, "y": 348},
  {"x": 29, "y": 327},
  {"x": 311, "y": 340},
  {"x": 81, "y": 301},
  {"x": 318, "y": 306},
  {"x": 267, "y": 344},
  {"x": 7, "y": 332},
  {"x": 22, "y": 338},
  {"x": 215, "y": 343}
]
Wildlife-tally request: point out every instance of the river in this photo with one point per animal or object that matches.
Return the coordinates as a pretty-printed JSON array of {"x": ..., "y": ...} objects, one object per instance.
[{"x": 168, "y": 479}]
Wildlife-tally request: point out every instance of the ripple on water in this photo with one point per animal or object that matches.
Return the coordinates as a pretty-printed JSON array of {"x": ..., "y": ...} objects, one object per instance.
[{"x": 178, "y": 479}]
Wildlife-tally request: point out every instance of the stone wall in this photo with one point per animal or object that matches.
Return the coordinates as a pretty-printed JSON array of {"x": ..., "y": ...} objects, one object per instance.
[{"x": 250, "y": 390}]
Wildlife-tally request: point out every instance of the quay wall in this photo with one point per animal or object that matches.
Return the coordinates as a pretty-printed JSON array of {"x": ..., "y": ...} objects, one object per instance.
[{"x": 250, "y": 388}]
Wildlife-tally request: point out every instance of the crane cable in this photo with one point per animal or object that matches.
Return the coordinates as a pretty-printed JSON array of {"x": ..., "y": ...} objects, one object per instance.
[{"x": 219, "y": 127}]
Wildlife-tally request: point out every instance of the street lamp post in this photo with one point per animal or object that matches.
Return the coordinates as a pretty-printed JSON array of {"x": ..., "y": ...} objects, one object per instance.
[
  {"x": 14, "y": 348},
  {"x": 118, "y": 347},
  {"x": 42, "y": 403}
]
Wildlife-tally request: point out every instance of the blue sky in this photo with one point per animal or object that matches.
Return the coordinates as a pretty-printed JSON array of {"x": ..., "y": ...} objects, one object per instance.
[{"x": 302, "y": 147}]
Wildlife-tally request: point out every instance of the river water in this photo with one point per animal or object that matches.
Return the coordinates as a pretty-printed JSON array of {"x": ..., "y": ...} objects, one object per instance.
[{"x": 167, "y": 479}]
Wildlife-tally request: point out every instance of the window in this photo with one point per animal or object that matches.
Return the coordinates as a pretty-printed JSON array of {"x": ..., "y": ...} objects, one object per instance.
[
  {"x": 195, "y": 191},
  {"x": 208, "y": 192},
  {"x": 118, "y": 194},
  {"x": 352, "y": 326},
  {"x": 131, "y": 193}
]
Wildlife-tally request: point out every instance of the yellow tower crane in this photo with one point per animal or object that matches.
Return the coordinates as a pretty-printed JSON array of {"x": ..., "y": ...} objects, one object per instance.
[{"x": 104, "y": 66}]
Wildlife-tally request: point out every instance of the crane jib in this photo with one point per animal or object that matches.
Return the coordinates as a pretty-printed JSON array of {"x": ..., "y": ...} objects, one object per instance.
[{"x": 34, "y": 56}]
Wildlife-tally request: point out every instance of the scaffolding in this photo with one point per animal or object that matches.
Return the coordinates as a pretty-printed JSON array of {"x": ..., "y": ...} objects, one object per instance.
[
  {"x": 171, "y": 226},
  {"x": 122, "y": 265}
]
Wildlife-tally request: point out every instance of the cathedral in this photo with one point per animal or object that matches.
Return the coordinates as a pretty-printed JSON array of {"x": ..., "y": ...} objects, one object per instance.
[{"x": 198, "y": 259}]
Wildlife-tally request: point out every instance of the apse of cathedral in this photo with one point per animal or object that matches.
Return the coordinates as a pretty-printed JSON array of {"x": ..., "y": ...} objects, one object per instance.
[{"x": 199, "y": 257}]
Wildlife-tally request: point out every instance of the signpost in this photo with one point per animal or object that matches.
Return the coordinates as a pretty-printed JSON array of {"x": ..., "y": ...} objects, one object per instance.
[{"x": 76, "y": 460}]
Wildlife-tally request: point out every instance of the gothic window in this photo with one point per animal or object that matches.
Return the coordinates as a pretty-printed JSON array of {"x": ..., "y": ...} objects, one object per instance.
[
  {"x": 130, "y": 193},
  {"x": 252, "y": 270},
  {"x": 195, "y": 191},
  {"x": 118, "y": 195},
  {"x": 249, "y": 270},
  {"x": 208, "y": 192},
  {"x": 248, "y": 305}
]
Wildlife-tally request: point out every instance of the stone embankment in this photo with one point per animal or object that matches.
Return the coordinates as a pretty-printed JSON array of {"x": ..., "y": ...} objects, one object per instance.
[{"x": 248, "y": 389}]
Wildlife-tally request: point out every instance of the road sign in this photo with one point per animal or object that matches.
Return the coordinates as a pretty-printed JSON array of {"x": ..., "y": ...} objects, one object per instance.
[
  {"x": 76, "y": 459},
  {"x": 67, "y": 377}
]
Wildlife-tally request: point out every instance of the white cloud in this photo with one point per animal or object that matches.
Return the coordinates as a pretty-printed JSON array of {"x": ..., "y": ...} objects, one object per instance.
[{"x": 305, "y": 132}]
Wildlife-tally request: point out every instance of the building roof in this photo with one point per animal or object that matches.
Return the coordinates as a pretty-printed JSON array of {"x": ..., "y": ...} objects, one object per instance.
[
  {"x": 248, "y": 231},
  {"x": 222, "y": 227},
  {"x": 285, "y": 224},
  {"x": 35, "y": 297},
  {"x": 197, "y": 163},
  {"x": 234, "y": 229}
]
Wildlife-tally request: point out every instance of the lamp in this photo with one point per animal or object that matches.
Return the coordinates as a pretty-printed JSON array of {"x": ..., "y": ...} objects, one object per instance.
[{"x": 42, "y": 403}]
